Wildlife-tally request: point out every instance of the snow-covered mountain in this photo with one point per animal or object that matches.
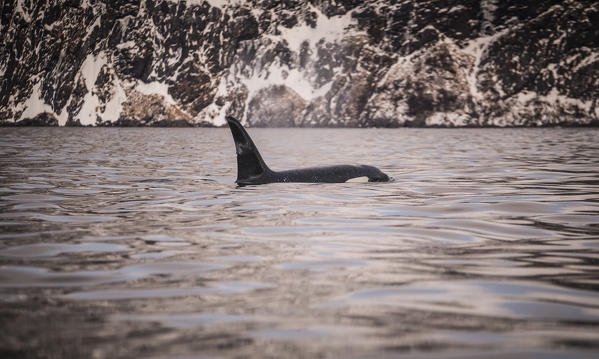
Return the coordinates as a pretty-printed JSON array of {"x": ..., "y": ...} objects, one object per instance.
[{"x": 300, "y": 63}]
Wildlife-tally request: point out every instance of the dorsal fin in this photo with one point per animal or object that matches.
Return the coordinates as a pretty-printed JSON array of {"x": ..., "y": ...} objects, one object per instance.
[{"x": 249, "y": 162}]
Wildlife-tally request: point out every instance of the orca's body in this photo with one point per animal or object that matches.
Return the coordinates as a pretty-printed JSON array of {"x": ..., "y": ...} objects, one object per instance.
[{"x": 251, "y": 168}]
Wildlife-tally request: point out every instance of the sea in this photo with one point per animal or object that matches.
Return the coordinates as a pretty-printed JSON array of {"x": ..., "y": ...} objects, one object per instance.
[{"x": 137, "y": 243}]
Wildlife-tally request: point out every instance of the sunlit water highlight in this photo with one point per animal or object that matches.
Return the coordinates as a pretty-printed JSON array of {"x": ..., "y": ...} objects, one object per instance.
[{"x": 124, "y": 243}]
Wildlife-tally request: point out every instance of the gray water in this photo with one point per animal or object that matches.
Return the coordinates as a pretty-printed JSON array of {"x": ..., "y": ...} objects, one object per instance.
[{"x": 136, "y": 243}]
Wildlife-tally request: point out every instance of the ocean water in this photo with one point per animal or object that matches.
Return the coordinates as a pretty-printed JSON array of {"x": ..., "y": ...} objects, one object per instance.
[{"x": 136, "y": 243}]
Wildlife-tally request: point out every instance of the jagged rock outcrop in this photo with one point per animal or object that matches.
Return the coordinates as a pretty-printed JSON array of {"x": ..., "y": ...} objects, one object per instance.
[{"x": 299, "y": 63}]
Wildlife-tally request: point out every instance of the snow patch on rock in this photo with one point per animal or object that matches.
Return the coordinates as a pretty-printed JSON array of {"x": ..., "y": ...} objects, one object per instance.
[
  {"x": 20, "y": 10},
  {"x": 35, "y": 104},
  {"x": 114, "y": 107},
  {"x": 278, "y": 74},
  {"x": 90, "y": 70},
  {"x": 155, "y": 88},
  {"x": 330, "y": 29}
]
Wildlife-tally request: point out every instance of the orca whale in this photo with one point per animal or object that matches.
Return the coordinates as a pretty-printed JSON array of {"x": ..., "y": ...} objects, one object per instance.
[{"x": 252, "y": 170}]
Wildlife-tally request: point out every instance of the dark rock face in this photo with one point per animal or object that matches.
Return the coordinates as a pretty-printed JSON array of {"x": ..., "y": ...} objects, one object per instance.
[
  {"x": 42, "y": 119},
  {"x": 327, "y": 63}
]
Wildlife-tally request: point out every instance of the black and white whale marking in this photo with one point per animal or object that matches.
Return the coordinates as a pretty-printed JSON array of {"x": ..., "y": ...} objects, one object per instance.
[{"x": 251, "y": 168}]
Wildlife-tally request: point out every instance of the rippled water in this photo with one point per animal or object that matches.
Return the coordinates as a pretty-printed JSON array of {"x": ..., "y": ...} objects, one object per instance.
[{"x": 137, "y": 243}]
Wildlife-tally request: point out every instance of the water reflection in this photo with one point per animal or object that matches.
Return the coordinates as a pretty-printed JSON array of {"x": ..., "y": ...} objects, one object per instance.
[{"x": 485, "y": 245}]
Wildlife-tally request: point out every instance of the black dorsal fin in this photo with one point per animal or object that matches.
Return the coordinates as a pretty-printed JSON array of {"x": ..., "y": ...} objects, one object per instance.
[{"x": 249, "y": 162}]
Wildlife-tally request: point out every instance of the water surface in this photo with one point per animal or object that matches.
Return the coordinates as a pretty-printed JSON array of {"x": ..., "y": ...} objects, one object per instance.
[{"x": 123, "y": 243}]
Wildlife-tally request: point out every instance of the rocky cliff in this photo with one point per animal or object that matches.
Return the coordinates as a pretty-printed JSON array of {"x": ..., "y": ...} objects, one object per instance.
[{"x": 345, "y": 63}]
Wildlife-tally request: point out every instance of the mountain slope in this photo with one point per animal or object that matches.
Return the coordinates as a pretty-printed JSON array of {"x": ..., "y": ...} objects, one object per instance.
[{"x": 297, "y": 63}]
